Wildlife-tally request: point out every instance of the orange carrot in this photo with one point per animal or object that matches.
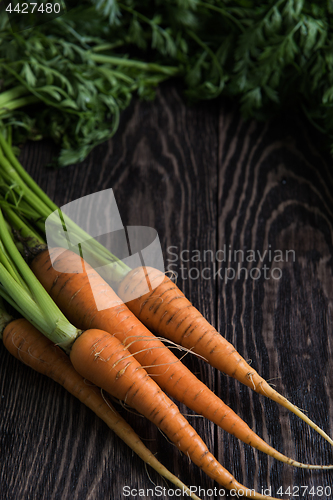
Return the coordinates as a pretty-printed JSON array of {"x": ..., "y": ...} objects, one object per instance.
[
  {"x": 167, "y": 312},
  {"x": 108, "y": 364},
  {"x": 31, "y": 347},
  {"x": 72, "y": 290}
]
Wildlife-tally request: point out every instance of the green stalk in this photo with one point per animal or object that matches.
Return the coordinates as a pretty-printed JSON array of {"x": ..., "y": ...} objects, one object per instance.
[
  {"x": 9, "y": 136},
  {"x": 28, "y": 306},
  {"x": 94, "y": 252},
  {"x": 119, "y": 61},
  {"x": 32, "y": 282},
  {"x": 105, "y": 70},
  {"x": 8, "y": 298},
  {"x": 32, "y": 238},
  {"x": 10, "y": 175},
  {"x": 5, "y": 261},
  {"x": 37, "y": 94},
  {"x": 12, "y": 94},
  {"x": 223, "y": 12},
  {"x": 59, "y": 330},
  {"x": 210, "y": 52},
  {"x": 108, "y": 46},
  {"x": 33, "y": 195},
  {"x": 22, "y": 207},
  {"x": 18, "y": 103},
  {"x": 23, "y": 174}
]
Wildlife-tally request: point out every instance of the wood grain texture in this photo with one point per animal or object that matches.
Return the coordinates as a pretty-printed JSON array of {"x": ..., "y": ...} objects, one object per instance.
[{"x": 206, "y": 181}]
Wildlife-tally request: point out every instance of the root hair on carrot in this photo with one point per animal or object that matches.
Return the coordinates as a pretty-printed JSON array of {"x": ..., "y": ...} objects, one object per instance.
[
  {"x": 150, "y": 479},
  {"x": 167, "y": 439},
  {"x": 171, "y": 345},
  {"x": 128, "y": 408},
  {"x": 192, "y": 415},
  {"x": 250, "y": 375},
  {"x": 107, "y": 402},
  {"x": 88, "y": 383}
]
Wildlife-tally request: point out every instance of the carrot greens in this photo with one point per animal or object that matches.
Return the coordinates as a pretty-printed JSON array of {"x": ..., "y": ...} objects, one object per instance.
[
  {"x": 70, "y": 78},
  {"x": 20, "y": 288}
]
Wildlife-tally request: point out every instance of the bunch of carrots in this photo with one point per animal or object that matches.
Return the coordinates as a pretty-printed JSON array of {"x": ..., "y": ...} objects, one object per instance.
[{"x": 117, "y": 347}]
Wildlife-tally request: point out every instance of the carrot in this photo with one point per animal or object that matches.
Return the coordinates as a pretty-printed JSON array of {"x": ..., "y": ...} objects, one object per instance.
[
  {"x": 72, "y": 290},
  {"x": 107, "y": 362},
  {"x": 31, "y": 347},
  {"x": 167, "y": 312}
]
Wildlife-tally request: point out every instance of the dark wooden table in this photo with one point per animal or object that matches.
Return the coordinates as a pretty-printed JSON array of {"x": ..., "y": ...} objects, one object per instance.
[{"x": 206, "y": 181}]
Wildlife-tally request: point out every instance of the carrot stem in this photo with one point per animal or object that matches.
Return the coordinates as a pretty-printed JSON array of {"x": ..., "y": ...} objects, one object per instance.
[
  {"x": 38, "y": 305},
  {"x": 12, "y": 94},
  {"x": 34, "y": 285},
  {"x": 32, "y": 238},
  {"x": 17, "y": 103},
  {"x": 9, "y": 299},
  {"x": 6, "y": 262},
  {"x": 58, "y": 329},
  {"x": 10, "y": 173},
  {"x": 35, "y": 197},
  {"x": 23, "y": 174},
  {"x": 121, "y": 61},
  {"x": 24, "y": 300}
]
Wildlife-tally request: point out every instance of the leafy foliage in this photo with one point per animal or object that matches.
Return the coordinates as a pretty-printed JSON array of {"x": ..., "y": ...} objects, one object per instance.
[{"x": 71, "y": 77}]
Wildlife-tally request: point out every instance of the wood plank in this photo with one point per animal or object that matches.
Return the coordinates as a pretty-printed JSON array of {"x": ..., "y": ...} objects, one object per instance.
[
  {"x": 275, "y": 198},
  {"x": 203, "y": 178}
]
